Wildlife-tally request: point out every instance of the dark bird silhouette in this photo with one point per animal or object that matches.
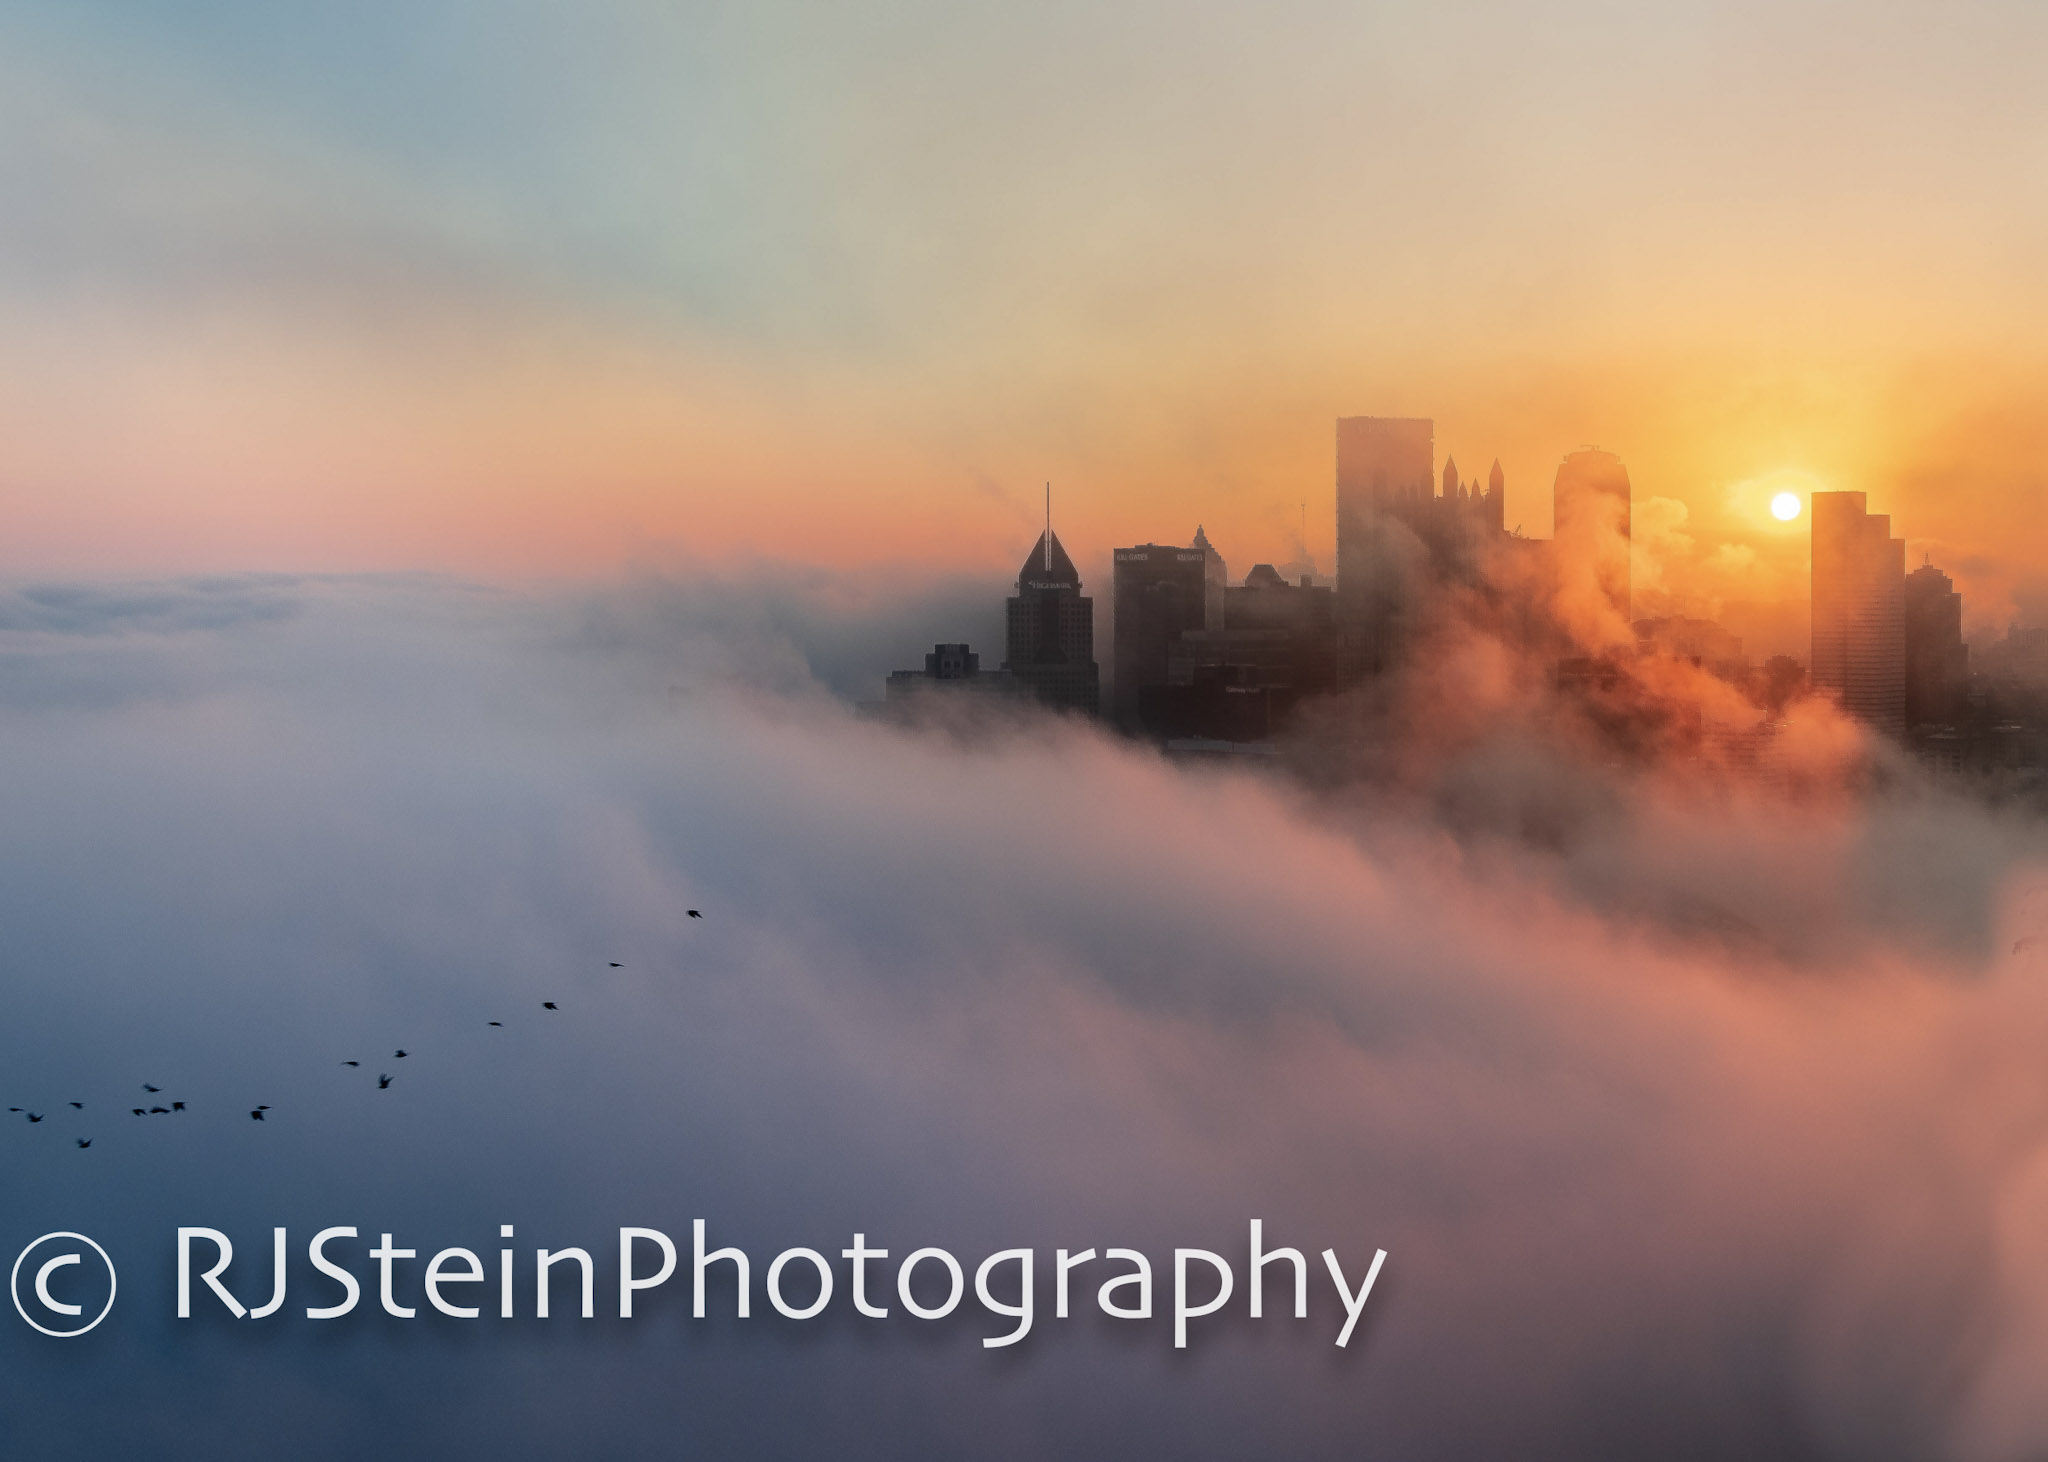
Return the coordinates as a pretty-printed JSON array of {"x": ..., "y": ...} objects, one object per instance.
[
  {"x": 382, "y": 1082},
  {"x": 617, "y": 966},
  {"x": 159, "y": 1111},
  {"x": 351, "y": 1063},
  {"x": 79, "y": 1105},
  {"x": 35, "y": 1116},
  {"x": 85, "y": 1142},
  {"x": 177, "y": 1106},
  {"x": 147, "y": 1087},
  {"x": 398, "y": 1055},
  {"x": 17, "y": 1109},
  {"x": 494, "y": 1022},
  {"x": 263, "y": 1107},
  {"x": 139, "y": 1112},
  {"x": 693, "y": 913},
  {"x": 257, "y": 1115},
  {"x": 547, "y": 1005}
]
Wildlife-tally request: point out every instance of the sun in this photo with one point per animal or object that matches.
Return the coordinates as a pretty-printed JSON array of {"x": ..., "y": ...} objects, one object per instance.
[{"x": 1785, "y": 506}]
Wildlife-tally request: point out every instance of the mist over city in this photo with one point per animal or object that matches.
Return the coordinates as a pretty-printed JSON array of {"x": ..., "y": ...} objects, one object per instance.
[
  {"x": 1413, "y": 634},
  {"x": 1021, "y": 982}
]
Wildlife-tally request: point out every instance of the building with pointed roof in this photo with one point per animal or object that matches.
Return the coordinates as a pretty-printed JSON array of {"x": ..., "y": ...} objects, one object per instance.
[{"x": 1050, "y": 630}]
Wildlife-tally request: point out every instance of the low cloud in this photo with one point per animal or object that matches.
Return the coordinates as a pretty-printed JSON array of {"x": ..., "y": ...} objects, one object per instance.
[{"x": 1693, "y": 1124}]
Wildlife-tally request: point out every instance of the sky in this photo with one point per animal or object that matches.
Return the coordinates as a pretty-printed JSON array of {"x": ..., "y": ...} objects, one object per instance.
[
  {"x": 537, "y": 290},
  {"x": 1694, "y": 1122}
]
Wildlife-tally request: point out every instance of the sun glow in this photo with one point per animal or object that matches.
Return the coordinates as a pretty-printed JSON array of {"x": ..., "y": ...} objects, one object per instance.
[{"x": 1785, "y": 506}]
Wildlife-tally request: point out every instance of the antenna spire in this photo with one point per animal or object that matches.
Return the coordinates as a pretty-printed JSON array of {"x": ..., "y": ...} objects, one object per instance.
[{"x": 1045, "y": 543}]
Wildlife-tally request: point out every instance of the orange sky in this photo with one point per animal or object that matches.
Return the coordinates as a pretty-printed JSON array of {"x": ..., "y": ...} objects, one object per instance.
[{"x": 574, "y": 293}]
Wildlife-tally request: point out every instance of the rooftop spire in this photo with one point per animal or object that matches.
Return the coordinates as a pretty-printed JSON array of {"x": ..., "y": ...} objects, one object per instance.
[{"x": 1047, "y": 540}]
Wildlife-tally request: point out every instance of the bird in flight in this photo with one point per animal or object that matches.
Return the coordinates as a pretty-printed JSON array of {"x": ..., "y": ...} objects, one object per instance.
[
  {"x": 79, "y": 1105},
  {"x": 398, "y": 1055},
  {"x": 382, "y": 1082},
  {"x": 85, "y": 1142},
  {"x": 139, "y": 1112},
  {"x": 617, "y": 966},
  {"x": 351, "y": 1063},
  {"x": 257, "y": 1115},
  {"x": 35, "y": 1116},
  {"x": 494, "y": 1022},
  {"x": 159, "y": 1111},
  {"x": 693, "y": 913},
  {"x": 547, "y": 1005},
  {"x": 147, "y": 1087},
  {"x": 177, "y": 1106}
]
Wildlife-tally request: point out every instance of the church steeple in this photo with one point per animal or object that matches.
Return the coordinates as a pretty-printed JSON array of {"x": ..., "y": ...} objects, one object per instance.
[
  {"x": 1450, "y": 476},
  {"x": 1495, "y": 479}
]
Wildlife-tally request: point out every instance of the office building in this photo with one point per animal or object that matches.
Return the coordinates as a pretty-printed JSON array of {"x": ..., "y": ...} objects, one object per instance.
[
  {"x": 1279, "y": 635},
  {"x": 1859, "y": 610},
  {"x": 1158, "y": 593},
  {"x": 1398, "y": 539},
  {"x": 1937, "y": 660},
  {"x": 949, "y": 670},
  {"x": 1215, "y": 580},
  {"x": 1050, "y": 630}
]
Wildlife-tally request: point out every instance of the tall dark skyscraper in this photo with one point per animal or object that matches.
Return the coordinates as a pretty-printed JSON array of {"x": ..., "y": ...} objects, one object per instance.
[
  {"x": 1215, "y": 580},
  {"x": 1937, "y": 660},
  {"x": 1859, "y": 610},
  {"x": 1159, "y": 592},
  {"x": 1051, "y": 630},
  {"x": 1397, "y": 538},
  {"x": 1590, "y": 523}
]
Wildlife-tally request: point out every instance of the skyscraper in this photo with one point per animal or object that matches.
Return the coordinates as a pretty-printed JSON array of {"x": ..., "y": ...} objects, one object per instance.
[
  {"x": 1859, "y": 610},
  {"x": 1398, "y": 539},
  {"x": 1215, "y": 580},
  {"x": 1158, "y": 592},
  {"x": 1590, "y": 512},
  {"x": 1051, "y": 630},
  {"x": 1937, "y": 660},
  {"x": 1383, "y": 462}
]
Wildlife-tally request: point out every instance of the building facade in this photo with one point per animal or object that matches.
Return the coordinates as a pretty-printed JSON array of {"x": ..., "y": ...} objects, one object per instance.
[
  {"x": 1937, "y": 660},
  {"x": 1859, "y": 610},
  {"x": 1050, "y": 631},
  {"x": 949, "y": 670},
  {"x": 1215, "y": 580},
  {"x": 1279, "y": 635},
  {"x": 1398, "y": 538},
  {"x": 1157, "y": 593}
]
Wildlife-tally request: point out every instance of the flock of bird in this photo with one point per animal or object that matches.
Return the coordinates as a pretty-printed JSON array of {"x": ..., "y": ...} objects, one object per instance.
[{"x": 256, "y": 1112}]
